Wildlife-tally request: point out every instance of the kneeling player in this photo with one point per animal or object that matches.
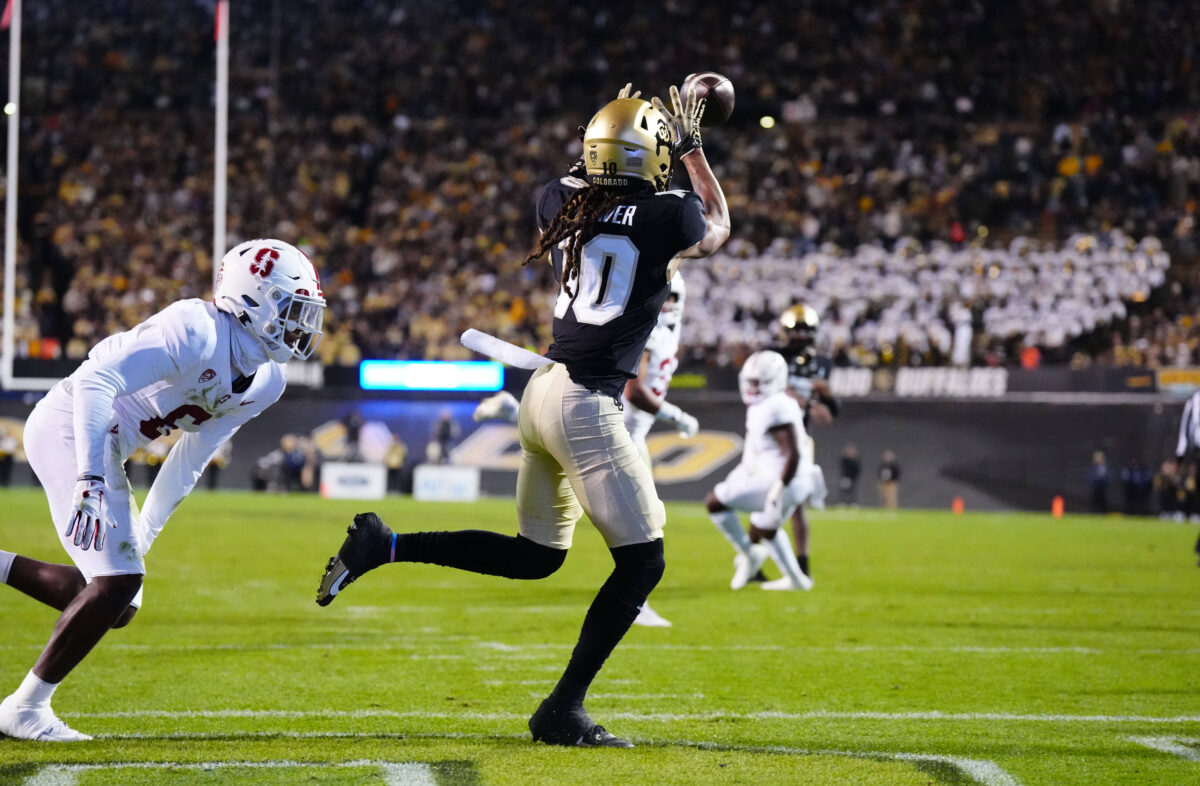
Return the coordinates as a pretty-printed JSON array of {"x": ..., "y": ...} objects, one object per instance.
[{"x": 771, "y": 479}]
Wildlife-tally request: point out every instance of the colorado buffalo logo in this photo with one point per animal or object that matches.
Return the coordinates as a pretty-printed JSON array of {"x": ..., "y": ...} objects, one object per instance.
[{"x": 207, "y": 375}]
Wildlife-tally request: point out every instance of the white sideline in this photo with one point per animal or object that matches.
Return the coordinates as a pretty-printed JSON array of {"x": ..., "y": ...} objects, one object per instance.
[
  {"x": 395, "y": 773},
  {"x": 982, "y": 771},
  {"x": 652, "y": 717},
  {"x": 534, "y": 651},
  {"x": 1176, "y": 746}
]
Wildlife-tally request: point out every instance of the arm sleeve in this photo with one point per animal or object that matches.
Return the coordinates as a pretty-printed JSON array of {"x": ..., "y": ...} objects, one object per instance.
[
  {"x": 693, "y": 223},
  {"x": 121, "y": 364}
]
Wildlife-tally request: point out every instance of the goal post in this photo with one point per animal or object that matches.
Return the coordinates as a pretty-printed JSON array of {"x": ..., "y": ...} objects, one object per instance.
[{"x": 12, "y": 109}]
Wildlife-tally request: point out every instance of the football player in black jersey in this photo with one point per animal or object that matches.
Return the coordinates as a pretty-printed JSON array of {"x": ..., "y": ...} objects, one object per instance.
[
  {"x": 808, "y": 381},
  {"x": 614, "y": 231}
]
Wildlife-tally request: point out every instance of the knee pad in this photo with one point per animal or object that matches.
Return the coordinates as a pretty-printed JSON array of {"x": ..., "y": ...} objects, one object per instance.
[{"x": 536, "y": 561}]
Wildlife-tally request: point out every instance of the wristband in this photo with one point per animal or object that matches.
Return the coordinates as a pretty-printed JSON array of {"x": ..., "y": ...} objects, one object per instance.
[{"x": 98, "y": 478}]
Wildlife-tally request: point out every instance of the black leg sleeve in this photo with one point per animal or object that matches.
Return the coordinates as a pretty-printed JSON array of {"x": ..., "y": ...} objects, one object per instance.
[
  {"x": 480, "y": 551},
  {"x": 638, "y": 570}
]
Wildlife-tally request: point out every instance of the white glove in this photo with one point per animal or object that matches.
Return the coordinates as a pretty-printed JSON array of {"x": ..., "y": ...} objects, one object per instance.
[
  {"x": 87, "y": 518},
  {"x": 772, "y": 512},
  {"x": 687, "y": 425}
]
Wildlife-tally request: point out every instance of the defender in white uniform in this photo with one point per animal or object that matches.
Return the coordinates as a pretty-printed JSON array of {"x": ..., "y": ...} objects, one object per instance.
[
  {"x": 771, "y": 479},
  {"x": 644, "y": 397},
  {"x": 203, "y": 368}
]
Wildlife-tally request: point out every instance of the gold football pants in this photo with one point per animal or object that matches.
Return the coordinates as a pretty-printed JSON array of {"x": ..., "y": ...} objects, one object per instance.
[{"x": 578, "y": 458}]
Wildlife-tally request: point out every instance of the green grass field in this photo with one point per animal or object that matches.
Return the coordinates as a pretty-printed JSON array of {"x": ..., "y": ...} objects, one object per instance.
[{"x": 995, "y": 649}]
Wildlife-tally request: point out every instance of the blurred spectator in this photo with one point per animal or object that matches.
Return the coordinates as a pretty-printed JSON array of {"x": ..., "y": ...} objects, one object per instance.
[
  {"x": 1170, "y": 492},
  {"x": 1136, "y": 484},
  {"x": 445, "y": 434},
  {"x": 889, "y": 480},
  {"x": 219, "y": 461},
  {"x": 292, "y": 466},
  {"x": 851, "y": 469},
  {"x": 9, "y": 444},
  {"x": 1097, "y": 480}
]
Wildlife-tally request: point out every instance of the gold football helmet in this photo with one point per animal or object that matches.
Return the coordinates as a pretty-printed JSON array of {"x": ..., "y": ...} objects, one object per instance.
[
  {"x": 800, "y": 317},
  {"x": 628, "y": 140}
]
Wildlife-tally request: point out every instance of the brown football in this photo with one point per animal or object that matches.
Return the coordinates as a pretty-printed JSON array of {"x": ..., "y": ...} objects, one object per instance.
[{"x": 714, "y": 87}]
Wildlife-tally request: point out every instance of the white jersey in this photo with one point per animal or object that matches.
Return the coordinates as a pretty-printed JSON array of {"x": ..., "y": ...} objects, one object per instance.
[
  {"x": 173, "y": 371},
  {"x": 761, "y": 452},
  {"x": 663, "y": 346}
]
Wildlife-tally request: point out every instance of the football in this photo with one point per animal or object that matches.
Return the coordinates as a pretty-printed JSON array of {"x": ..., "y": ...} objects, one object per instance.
[{"x": 717, "y": 89}]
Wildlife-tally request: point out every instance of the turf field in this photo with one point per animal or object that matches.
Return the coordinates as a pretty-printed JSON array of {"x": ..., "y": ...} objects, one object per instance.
[{"x": 994, "y": 649}]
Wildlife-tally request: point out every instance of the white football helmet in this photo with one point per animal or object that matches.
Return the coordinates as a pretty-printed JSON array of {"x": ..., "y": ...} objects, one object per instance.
[
  {"x": 272, "y": 288},
  {"x": 764, "y": 374},
  {"x": 672, "y": 310}
]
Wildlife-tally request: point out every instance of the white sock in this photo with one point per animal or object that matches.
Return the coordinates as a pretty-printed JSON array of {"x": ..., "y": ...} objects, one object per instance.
[
  {"x": 6, "y": 561},
  {"x": 784, "y": 556},
  {"x": 34, "y": 691},
  {"x": 731, "y": 527}
]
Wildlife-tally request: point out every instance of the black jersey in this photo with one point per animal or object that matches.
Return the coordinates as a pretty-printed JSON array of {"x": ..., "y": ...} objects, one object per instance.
[
  {"x": 803, "y": 368},
  {"x": 601, "y": 330}
]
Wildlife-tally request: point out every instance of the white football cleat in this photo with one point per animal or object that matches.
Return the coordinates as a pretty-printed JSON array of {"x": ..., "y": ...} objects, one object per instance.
[
  {"x": 786, "y": 583},
  {"x": 746, "y": 565},
  {"x": 24, "y": 722},
  {"x": 650, "y": 618},
  {"x": 502, "y": 406}
]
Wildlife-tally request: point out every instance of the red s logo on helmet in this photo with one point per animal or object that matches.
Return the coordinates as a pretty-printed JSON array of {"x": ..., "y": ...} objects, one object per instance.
[{"x": 264, "y": 262}]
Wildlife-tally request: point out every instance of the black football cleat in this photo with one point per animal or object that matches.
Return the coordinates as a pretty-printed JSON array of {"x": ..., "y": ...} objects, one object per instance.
[
  {"x": 368, "y": 545},
  {"x": 571, "y": 727}
]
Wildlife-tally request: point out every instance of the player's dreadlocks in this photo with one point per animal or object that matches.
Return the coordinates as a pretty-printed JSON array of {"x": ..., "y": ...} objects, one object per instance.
[{"x": 576, "y": 215}]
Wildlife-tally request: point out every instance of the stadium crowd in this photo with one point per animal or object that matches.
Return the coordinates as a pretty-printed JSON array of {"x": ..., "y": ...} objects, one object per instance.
[
  {"x": 401, "y": 145},
  {"x": 924, "y": 306}
]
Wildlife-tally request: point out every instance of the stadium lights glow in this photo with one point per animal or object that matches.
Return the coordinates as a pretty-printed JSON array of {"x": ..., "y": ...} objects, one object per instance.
[
  {"x": 430, "y": 375},
  {"x": 766, "y": 121}
]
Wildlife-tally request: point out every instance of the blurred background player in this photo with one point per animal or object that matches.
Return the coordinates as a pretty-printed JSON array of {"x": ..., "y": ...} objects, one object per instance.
[
  {"x": 808, "y": 380},
  {"x": 771, "y": 479},
  {"x": 643, "y": 399},
  {"x": 612, "y": 234},
  {"x": 205, "y": 368}
]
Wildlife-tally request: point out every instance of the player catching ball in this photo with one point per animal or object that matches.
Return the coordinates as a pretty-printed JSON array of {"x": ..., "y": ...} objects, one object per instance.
[{"x": 612, "y": 233}]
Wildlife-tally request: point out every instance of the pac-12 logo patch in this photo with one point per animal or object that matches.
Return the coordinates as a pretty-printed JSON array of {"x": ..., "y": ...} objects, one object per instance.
[{"x": 207, "y": 375}]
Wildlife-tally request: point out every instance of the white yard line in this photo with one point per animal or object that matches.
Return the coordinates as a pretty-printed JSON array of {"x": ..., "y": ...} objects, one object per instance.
[
  {"x": 1176, "y": 746},
  {"x": 654, "y": 717},
  {"x": 981, "y": 771},
  {"x": 403, "y": 773},
  {"x": 534, "y": 651}
]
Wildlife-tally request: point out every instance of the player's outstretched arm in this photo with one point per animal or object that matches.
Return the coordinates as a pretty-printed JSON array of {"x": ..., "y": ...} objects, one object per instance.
[
  {"x": 716, "y": 211},
  {"x": 685, "y": 121}
]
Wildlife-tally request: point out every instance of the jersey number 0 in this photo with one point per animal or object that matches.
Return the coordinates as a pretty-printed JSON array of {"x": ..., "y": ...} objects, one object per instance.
[{"x": 606, "y": 269}]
